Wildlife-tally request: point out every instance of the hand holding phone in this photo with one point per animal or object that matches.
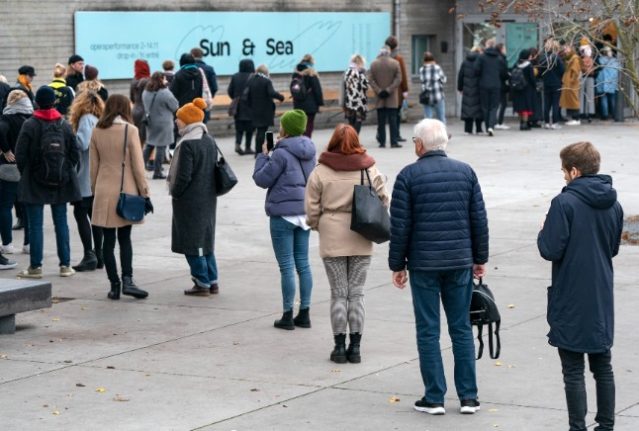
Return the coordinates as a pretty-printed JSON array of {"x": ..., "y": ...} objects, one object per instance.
[{"x": 270, "y": 141}]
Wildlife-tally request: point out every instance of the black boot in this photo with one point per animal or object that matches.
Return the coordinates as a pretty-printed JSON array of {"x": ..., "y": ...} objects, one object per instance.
[
  {"x": 238, "y": 149},
  {"x": 115, "y": 291},
  {"x": 247, "y": 150},
  {"x": 286, "y": 322},
  {"x": 338, "y": 355},
  {"x": 303, "y": 319},
  {"x": 352, "y": 353},
  {"x": 129, "y": 288},
  {"x": 88, "y": 263}
]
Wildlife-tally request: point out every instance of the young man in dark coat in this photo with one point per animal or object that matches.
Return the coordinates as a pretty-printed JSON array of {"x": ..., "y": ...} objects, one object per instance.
[
  {"x": 581, "y": 235},
  {"x": 314, "y": 98},
  {"x": 187, "y": 83},
  {"x": 75, "y": 71},
  {"x": 491, "y": 69}
]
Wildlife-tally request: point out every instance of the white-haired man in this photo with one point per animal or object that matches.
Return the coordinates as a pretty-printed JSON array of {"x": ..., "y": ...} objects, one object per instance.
[{"x": 439, "y": 233}]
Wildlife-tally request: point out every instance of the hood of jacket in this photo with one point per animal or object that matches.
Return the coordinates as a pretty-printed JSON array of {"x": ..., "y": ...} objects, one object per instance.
[
  {"x": 247, "y": 66},
  {"x": 346, "y": 162},
  {"x": 595, "y": 190},
  {"x": 190, "y": 72},
  {"x": 47, "y": 114},
  {"x": 492, "y": 52},
  {"x": 300, "y": 146},
  {"x": 472, "y": 56},
  {"x": 20, "y": 106}
]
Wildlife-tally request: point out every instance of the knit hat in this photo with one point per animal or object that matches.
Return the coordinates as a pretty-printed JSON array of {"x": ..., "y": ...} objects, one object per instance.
[
  {"x": 45, "y": 97},
  {"x": 192, "y": 112},
  {"x": 27, "y": 70},
  {"x": 90, "y": 72},
  {"x": 294, "y": 122},
  {"x": 75, "y": 58}
]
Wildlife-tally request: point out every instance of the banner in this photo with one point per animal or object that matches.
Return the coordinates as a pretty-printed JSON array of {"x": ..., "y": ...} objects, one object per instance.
[{"x": 112, "y": 41}]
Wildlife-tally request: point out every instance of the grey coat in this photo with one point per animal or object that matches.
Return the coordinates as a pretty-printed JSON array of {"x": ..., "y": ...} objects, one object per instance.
[
  {"x": 159, "y": 132},
  {"x": 83, "y": 136},
  {"x": 194, "y": 197}
]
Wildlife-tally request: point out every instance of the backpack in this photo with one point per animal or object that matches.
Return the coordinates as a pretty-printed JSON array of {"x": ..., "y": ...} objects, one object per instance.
[
  {"x": 518, "y": 80},
  {"x": 298, "y": 88},
  {"x": 52, "y": 170},
  {"x": 483, "y": 311}
]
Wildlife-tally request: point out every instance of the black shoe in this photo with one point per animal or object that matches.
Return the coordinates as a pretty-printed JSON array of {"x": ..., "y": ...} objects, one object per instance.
[
  {"x": 338, "y": 355},
  {"x": 303, "y": 319},
  {"x": 238, "y": 149},
  {"x": 19, "y": 225},
  {"x": 114, "y": 293},
  {"x": 198, "y": 291},
  {"x": 215, "y": 289},
  {"x": 159, "y": 176},
  {"x": 469, "y": 407},
  {"x": 88, "y": 263},
  {"x": 286, "y": 322},
  {"x": 382, "y": 145},
  {"x": 129, "y": 288},
  {"x": 248, "y": 150},
  {"x": 8, "y": 264},
  {"x": 396, "y": 146},
  {"x": 430, "y": 408},
  {"x": 149, "y": 166},
  {"x": 400, "y": 139},
  {"x": 352, "y": 353}
]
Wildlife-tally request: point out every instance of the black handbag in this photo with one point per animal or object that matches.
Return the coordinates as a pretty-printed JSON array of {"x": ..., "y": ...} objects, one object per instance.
[
  {"x": 483, "y": 311},
  {"x": 235, "y": 102},
  {"x": 369, "y": 217},
  {"x": 225, "y": 178},
  {"x": 424, "y": 97},
  {"x": 129, "y": 207}
]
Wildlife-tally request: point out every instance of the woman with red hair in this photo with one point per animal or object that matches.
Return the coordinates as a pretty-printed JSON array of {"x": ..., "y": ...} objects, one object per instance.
[
  {"x": 141, "y": 76},
  {"x": 346, "y": 254}
]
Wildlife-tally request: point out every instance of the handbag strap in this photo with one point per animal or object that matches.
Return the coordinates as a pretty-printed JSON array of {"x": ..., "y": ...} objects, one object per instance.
[
  {"x": 370, "y": 183},
  {"x": 126, "y": 132},
  {"x": 148, "y": 114}
]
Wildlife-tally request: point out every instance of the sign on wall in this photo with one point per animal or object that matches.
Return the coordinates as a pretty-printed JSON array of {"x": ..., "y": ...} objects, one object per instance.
[{"x": 112, "y": 41}]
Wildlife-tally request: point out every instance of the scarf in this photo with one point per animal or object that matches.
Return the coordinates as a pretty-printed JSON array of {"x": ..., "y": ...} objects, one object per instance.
[
  {"x": 346, "y": 162},
  {"x": 190, "y": 132},
  {"x": 24, "y": 81},
  {"x": 20, "y": 106},
  {"x": 50, "y": 114}
]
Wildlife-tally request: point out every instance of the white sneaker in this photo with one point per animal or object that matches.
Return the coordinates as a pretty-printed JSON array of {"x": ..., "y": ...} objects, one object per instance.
[
  {"x": 555, "y": 127},
  {"x": 573, "y": 123},
  {"x": 26, "y": 249},
  {"x": 7, "y": 249},
  {"x": 547, "y": 126},
  {"x": 502, "y": 127},
  {"x": 491, "y": 132}
]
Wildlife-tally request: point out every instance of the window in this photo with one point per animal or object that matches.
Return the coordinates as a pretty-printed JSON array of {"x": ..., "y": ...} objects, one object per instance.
[{"x": 420, "y": 44}]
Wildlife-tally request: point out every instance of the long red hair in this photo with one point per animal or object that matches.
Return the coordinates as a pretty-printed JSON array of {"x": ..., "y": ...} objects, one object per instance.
[
  {"x": 345, "y": 140},
  {"x": 141, "y": 69}
]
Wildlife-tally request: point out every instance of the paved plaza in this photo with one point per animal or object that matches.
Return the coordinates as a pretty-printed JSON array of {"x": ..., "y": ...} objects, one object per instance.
[{"x": 173, "y": 362}]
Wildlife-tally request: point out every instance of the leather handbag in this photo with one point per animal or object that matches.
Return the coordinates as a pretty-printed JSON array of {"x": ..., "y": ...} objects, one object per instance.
[
  {"x": 225, "y": 178},
  {"x": 129, "y": 207},
  {"x": 369, "y": 217},
  {"x": 235, "y": 102},
  {"x": 483, "y": 311}
]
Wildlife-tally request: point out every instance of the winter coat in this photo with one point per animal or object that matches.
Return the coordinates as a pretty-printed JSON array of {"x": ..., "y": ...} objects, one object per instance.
[
  {"x": 194, "y": 198},
  {"x": 85, "y": 130},
  {"x": 10, "y": 124},
  {"x": 608, "y": 76},
  {"x": 570, "y": 84},
  {"x": 4, "y": 92},
  {"x": 552, "y": 70},
  {"x": 63, "y": 95},
  {"x": 314, "y": 96},
  {"x": 468, "y": 84},
  {"x": 524, "y": 99},
  {"x": 137, "y": 113},
  {"x": 187, "y": 84},
  {"x": 385, "y": 74},
  {"x": 491, "y": 69},
  {"x": 403, "y": 85},
  {"x": 27, "y": 91},
  {"x": 159, "y": 131},
  {"x": 237, "y": 86},
  {"x": 105, "y": 154},
  {"x": 329, "y": 202},
  {"x": 260, "y": 100},
  {"x": 29, "y": 155},
  {"x": 209, "y": 73},
  {"x": 580, "y": 236},
  {"x": 438, "y": 218},
  {"x": 285, "y": 173},
  {"x": 74, "y": 79}
]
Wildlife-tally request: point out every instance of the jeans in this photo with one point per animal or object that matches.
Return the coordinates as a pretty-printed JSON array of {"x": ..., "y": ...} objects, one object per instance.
[
  {"x": 391, "y": 115},
  {"x": 572, "y": 367},
  {"x": 8, "y": 194},
  {"x": 438, "y": 109},
  {"x": 203, "y": 269},
  {"x": 608, "y": 105},
  {"x": 489, "y": 105},
  {"x": 126, "y": 252},
  {"x": 455, "y": 287},
  {"x": 290, "y": 244},
  {"x": 551, "y": 101},
  {"x": 35, "y": 219}
]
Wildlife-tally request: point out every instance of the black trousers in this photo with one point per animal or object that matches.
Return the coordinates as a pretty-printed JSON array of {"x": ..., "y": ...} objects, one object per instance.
[
  {"x": 551, "y": 101},
  {"x": 503, "y": 103},
  {"x": 244, "y": 128},
  {"x": 259, "y": 139},
  {"x": 83, "y": 212},
  {"x": 489, "y": 104},
  {"x": 572, "y": 367},
  {"x": 389, "y": 114},
  {"x": 357, "y": 125},
  {"x": 126, "y": 252},
  {"x": 468, "y": 125}
]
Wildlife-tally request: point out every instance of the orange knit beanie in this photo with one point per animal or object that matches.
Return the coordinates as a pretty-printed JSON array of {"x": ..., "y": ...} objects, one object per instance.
[{"x": 192, "y": 112}]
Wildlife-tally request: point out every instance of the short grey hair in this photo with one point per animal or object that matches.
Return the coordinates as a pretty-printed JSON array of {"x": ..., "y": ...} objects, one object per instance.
[{"x": 433, "y": 134}]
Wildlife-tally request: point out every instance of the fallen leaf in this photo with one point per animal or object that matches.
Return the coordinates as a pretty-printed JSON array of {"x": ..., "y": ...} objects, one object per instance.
[
  {"x": 110, "y": 367},
  {"x": 336, "y": 370},
  {"x": 3, "y": 356},
  {"x": 121, "y": 398},
  {"x": 393, "y": 400},
  {"x": 68, "y": 361},
  {"x": 100, "y": 390},
  {"x": 255, "y": 390},
  {"x": 80, "y": 385},
  {"x": 56, "y": 319},
  {"x": 493, "y": 410},
  {"x": 46, "y": 406},
  {"x": 511, "y": 305},
  {"x": 498, "y": 364},
  {"x": 55, "y": 413}
]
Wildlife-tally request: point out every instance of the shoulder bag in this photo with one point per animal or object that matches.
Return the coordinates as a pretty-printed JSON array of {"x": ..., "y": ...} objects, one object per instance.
[
  {"x": 369, "y": 217},
  {"x": 129, "y": 207},
  {"x": 483, "y": 311},
  {"x": 225, "y": 178},
  {"x": 147, "y": 114}
]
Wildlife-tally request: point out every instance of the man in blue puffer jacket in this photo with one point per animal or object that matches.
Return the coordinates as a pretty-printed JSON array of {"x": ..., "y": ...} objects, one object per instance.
[{"x": 439, "y": 232}]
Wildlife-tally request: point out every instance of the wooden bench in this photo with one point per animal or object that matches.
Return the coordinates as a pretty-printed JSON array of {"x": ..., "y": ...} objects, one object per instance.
[{"x": 17, "y": 296}]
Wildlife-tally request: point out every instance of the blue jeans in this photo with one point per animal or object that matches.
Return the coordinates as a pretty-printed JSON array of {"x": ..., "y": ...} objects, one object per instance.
[
  {"x": 35, "y": 219},
  {"x": 437, "y": 111},
  {"x": 455, "y": 288},
  {"x": 608, "y": 105},
  {"x": 290, "y": 244},
  {"x": 203, "y": 269}
]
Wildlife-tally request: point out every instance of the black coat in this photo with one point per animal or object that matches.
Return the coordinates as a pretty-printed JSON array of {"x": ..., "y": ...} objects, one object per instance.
[
  {"x": 491, "y": 69},
  {"x": 260, "y": 99},
  {"x": 314, "y": 98},
  {"x": 4, "y": 92},
  {"x": 468, "y": 84},
  {"x": 524, "y": 99},
  {"x": 194, "y": 198},
  {"x": 236, "y": 88},
  {"x": 187, "y": 84},
  {"x": 10, "y": 125},
  {"x": 28, "y": 156},
  {"x": 581, "y": 235},
  {"x": 74, "y": 79},
  {"x": 552, "y": 70}
]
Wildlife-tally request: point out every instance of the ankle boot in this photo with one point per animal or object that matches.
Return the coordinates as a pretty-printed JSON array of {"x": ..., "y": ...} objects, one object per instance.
[
  {"x": 303, "y": 319},
  {"x": 286, "y": 322},
  {"x": 338, "y": 355},
  {"x": 129, "y": 288},
  {"x": 98, "y": 255},
  {"x": 247, "y": 149},
  {"x": 352, "y": 353},
  {"x": 114, "y": 293},
  {"x": 238, "y": 149},
  {"x": 88, "y": 263}
]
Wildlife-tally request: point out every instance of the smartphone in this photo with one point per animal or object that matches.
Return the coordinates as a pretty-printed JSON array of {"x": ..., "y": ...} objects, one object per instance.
[{"x": 270, "y": 141}]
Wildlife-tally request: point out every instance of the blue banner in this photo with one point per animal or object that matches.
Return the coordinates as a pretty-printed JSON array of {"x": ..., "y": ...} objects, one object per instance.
[{"x": 112, "y": 41}]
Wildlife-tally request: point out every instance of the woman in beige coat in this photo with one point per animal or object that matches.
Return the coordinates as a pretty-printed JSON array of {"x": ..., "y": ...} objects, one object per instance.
[
  {"x": 346, "y": 254},
  {"x": 112, "y": 133}
]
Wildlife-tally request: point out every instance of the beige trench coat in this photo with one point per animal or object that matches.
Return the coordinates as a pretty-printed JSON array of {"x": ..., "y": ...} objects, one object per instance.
[
  {"x": 105, "y": 155},
  {"x": 328, "y": 202}
]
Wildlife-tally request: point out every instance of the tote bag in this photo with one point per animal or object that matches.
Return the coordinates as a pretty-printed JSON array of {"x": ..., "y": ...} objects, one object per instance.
[{"x": 369, "y": 217}]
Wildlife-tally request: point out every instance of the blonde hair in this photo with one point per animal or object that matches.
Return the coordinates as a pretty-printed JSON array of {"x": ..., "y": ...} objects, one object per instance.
[
  {"x": 59, "y": 71},
  {"x": 358, "y": 60},
  {"x": 86, "y": 102},
  {"x": 262, "y": 69},
  {"x": 14, "y": 96},
  {"x": 90, "y": 85},
  {"x": 308, "y": 58}
]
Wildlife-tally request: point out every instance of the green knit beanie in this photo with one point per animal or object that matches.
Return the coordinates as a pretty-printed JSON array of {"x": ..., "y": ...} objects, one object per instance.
[{"x": 294, "y": 122}]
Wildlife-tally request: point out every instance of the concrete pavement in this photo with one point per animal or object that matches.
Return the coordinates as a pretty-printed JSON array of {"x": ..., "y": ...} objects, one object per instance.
[{"x": 173, "y": 362}]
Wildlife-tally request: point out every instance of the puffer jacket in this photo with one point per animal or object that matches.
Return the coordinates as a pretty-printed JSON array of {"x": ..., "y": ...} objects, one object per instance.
[
  {"x": 468, "y": 84},
  {"x": 438, "y": 218}
]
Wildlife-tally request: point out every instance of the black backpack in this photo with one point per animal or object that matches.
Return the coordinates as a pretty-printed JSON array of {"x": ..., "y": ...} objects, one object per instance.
[
  {"x": 298, "y": 88},
  {"x": 52, "y": 169},
  {"x": 483, "y": 311},
  {"x": 518, "y": 80}
]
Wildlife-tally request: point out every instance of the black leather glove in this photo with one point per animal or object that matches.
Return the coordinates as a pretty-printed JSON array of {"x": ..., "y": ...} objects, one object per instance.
[
  {"x": 383, "y": 94},
  {"x": 148, "y": 206}
]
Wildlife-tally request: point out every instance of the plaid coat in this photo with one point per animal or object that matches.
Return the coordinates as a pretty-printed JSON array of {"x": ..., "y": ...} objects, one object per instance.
[{"x": 433, "y": 79}]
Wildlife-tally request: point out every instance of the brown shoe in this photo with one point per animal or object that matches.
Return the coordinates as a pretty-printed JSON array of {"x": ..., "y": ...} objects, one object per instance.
[
  {"x": 197, "y": 291},
  {"x": 215, "y": 289}
]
